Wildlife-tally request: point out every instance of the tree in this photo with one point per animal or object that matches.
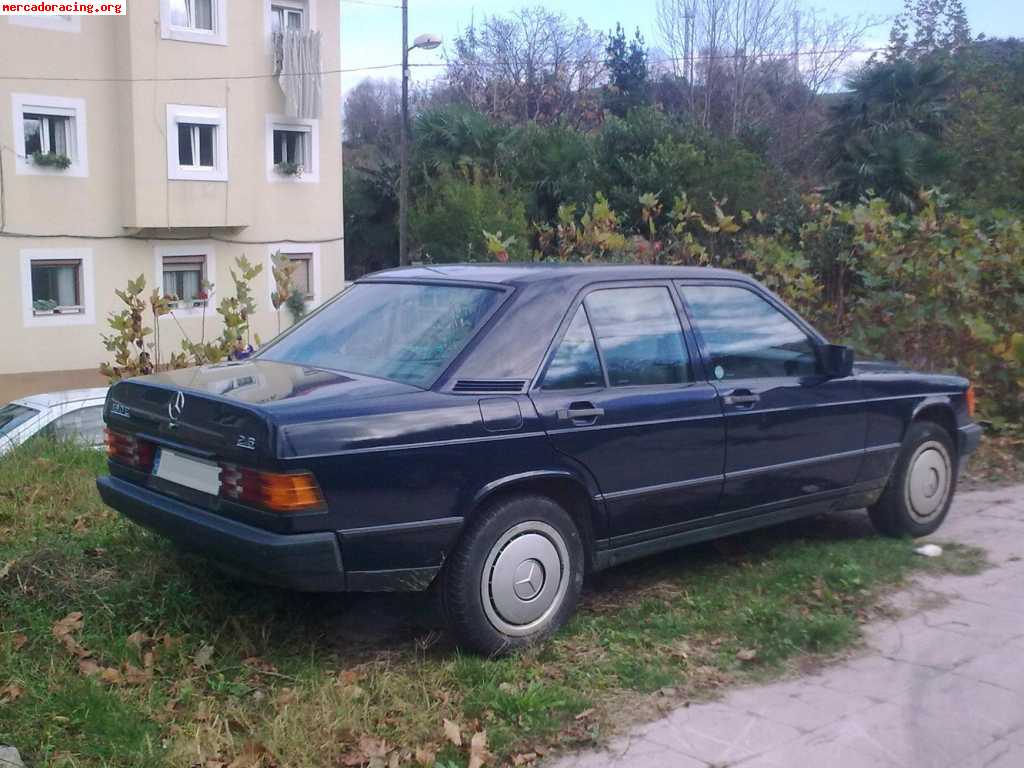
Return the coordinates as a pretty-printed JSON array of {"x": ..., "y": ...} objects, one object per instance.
[
  {"x": 927, "y": 27},
  {"x": 885, "y": 135},
  {"x": 373, "y": 113},
  {"x": 628, "y": 86},
  {"x": 530, "y": 65}
]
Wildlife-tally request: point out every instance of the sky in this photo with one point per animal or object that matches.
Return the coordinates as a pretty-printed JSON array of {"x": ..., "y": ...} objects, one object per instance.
[{"x": 371, "y": 30}]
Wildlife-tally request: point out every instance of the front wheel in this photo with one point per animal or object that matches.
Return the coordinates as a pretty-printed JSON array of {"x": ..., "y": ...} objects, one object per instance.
[
  {"x": 516, "y": 576},
  {"x": 917, "y": 498}
]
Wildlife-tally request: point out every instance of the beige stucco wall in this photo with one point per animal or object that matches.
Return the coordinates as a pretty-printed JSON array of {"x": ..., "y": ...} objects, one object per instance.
[{"x": 127, "y": 203}]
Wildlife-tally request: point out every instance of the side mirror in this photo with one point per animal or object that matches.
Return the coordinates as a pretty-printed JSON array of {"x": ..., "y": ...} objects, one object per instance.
[{"x": 835, "y": 360}]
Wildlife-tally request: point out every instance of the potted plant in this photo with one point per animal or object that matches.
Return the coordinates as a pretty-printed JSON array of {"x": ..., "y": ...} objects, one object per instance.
[
  {"x": 290, "y": 169},
  {"x": 51, "y": 160},
  {"x": 44, "y": 307}
]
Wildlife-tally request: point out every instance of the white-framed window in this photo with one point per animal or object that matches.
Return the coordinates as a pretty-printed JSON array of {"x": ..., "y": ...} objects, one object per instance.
[
  {"x": 58, "y": 22},
  {"x": 49, "y": 135},
  {"x": 293, "y": 149},
  {"x": 280, "y": 15},
  {"x": 197, "y": 143},
  {"x": 57, "y": 287},
  {"x": 307, "y": 276},
  {"x": 194, "y": 21},
  {"x": 184, "y": 272}
]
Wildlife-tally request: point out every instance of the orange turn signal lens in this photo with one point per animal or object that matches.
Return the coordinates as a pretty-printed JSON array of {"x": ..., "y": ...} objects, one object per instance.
[
  {"x": 971, "y": 401},
  {"x": 292, "y": 492}
]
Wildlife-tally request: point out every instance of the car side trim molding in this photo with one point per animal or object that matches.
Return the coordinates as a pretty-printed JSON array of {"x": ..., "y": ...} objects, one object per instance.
[
  {"x": 413, "y": 446},
  {"x": 661, "y": 487},
  {"x": 739, "y": 474},
  {"x": 839, "y": 404}
]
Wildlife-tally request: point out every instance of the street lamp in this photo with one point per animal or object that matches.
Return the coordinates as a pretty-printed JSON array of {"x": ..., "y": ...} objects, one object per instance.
[{"x": 427, "y": 42}]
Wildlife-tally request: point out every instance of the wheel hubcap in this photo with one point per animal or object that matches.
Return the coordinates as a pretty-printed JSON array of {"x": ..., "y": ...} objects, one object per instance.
[
  {"x": 928, "y": 481},
  {"x": 525, "y": 578}
]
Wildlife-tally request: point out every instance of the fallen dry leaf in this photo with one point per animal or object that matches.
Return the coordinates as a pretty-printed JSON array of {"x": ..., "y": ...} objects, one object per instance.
[
  {"x": 585, "y": 714},
  {"x": 260, "y": 665},
  {"x": 285, "y": 697},
  {"x": 253, "y": 755},
  {"x": 478, "y": 754},
  {"x": 453, "y": 732},
  {"x": 135, "y": 676},
  {"x": 5, "y": 569},
  {"x": 70, "y": 623},
  {"x": 11, "y": 693},
  {"x": 18, "y": 641},
  {"x": 81, "y": 524},
  {"x": 372, "y": 747},
  {"x": 203, "y": 657},
  {"x": 747, "y": 654},
  {"x": 148, "y": 659},
  {"x": 111, "y": 676},
  {"x": 526, "y": 758},
  {"x": 426, "y": 756},
  {"x": 348, "y": 677},
  {"x": 137, "y": 639}
]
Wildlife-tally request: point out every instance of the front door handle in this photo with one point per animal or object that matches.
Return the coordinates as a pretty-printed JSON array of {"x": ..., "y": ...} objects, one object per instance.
[
  {"x": 741, "y": 397},
  {"x": 580, "y": 413}
]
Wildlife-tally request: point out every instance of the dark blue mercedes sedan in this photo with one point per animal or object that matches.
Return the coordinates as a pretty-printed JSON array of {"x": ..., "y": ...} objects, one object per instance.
[{"x": 496, "y": 432}]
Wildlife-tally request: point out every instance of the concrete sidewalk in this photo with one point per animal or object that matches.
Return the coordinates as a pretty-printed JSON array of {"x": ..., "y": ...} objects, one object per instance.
[{"x": 941, "y": 686}]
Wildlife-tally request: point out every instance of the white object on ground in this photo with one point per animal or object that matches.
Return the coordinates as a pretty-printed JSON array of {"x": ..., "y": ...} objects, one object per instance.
[
  {"x": 929, "y": 550},
  {"x": 9, "y": 758}
]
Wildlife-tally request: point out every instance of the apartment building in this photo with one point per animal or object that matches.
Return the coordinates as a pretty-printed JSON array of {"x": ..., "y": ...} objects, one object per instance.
[{"x": 162, "y": 143}]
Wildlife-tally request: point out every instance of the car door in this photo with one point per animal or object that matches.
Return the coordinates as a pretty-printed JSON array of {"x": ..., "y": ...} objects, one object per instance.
[
  {"x": 792, "y": 434},
  {"x": 621, "y": 395}
]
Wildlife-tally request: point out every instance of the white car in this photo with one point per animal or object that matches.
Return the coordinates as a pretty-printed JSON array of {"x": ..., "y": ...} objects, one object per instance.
[{"x": 74, "y": 414}]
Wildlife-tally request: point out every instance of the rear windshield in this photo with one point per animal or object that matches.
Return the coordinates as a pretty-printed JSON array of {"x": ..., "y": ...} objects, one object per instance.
[
  {"x": 13, "y": 415},
  {"x": 405, "y": 333}
]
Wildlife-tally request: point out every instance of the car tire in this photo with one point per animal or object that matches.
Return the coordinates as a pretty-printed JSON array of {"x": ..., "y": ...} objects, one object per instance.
[
  {"x": 515, "y": 577},
  {"x": 916, "y": 499}
]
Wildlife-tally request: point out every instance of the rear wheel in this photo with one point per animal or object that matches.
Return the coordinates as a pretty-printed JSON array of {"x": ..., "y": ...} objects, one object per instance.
[
  {"x": 916, "y": 500},
  {"x": 516, "y": 576}
]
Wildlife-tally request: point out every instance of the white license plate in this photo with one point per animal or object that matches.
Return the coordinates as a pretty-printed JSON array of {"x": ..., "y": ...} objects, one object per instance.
[{"x": 184, "y": 470}]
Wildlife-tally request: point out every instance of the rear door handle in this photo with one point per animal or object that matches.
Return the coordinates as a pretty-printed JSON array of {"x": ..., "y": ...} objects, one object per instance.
[
  {"x": 741, "y": 397},
  {"x": 581, "y": 412}
]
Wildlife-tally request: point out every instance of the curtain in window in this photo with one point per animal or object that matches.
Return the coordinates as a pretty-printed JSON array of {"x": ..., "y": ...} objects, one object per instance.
[
  {"x": 300, "y": 78},
  {"x": 59, "y": 135},
  {"x": 203, "y": 14},
  {"x": 66, "y": 293}
]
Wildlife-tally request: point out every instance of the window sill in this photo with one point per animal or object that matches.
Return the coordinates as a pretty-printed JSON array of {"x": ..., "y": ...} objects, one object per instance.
[
  {"x": 187, "y": 35},
  {"x": 281, "y": 178},
  {"x": 190, "y": 174},
  {"x": 29, "y": 168}
]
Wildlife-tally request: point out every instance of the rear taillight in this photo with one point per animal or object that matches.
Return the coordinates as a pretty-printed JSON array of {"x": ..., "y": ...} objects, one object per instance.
[
  {"x": 130, "y": 450},
  {"x": 291, "y": 492},
  {"x": 971, "y": 401}
]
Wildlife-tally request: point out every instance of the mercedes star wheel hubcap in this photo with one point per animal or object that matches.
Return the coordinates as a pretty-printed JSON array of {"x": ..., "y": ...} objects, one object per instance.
[{"x": 525, "y": 578}]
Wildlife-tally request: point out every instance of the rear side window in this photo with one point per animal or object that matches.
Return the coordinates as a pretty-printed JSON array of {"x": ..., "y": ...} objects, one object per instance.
[
  {"x": 13, "y": 416},
  {"x": 746, "y": 337},
  {"x": 575, "y": 364},
  {"x": 84, "y": 426},
  {"x": 639, "y": 335}
]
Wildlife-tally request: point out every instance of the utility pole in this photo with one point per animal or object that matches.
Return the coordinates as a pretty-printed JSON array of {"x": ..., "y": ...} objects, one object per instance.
[{"x": 403, "y": 184}]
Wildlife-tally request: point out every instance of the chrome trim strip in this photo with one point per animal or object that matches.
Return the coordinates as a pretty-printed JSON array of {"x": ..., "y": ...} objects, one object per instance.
[
  {"x": 411, "y": 446},
  {"x": 662, "y": 487},
  {"x": 627, "y": 425},
  {"x": 755, "y": 409},
  {"x": 739, "y": 474}
]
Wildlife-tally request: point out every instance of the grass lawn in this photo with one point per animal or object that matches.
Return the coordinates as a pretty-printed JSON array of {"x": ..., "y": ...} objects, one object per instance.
[{"x": 173, "y": 664}]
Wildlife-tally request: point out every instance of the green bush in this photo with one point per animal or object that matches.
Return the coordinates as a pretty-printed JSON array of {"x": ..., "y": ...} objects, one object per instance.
[{"x": 449, "y": 222}]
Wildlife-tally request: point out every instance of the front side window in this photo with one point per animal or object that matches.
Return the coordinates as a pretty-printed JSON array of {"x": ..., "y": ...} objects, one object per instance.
[
  {"x": 402, "y": 332},
  {"x": 639, "y": 335},
  {"x": 196, "y": 143},
  {"x": 575, "y": 364},
  {"x": 56, "y": 287},
  {"x": 746, "y": 337},
  {"x": 183, "y": 280},
  {"x": 196, "y": 15}
]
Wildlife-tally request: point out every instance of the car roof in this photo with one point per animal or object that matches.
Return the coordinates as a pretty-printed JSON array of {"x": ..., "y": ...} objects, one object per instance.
[
  {"x": 521, "y": 274},
  {"x": 52, "y": 399}
]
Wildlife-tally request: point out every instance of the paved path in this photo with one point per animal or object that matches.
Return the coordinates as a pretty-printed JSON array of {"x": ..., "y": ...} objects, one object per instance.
[{"x": 941, "y": 686}]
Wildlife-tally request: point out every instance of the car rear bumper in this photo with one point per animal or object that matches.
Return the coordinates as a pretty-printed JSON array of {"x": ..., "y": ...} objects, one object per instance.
[{"x": 309, "y": 562}]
